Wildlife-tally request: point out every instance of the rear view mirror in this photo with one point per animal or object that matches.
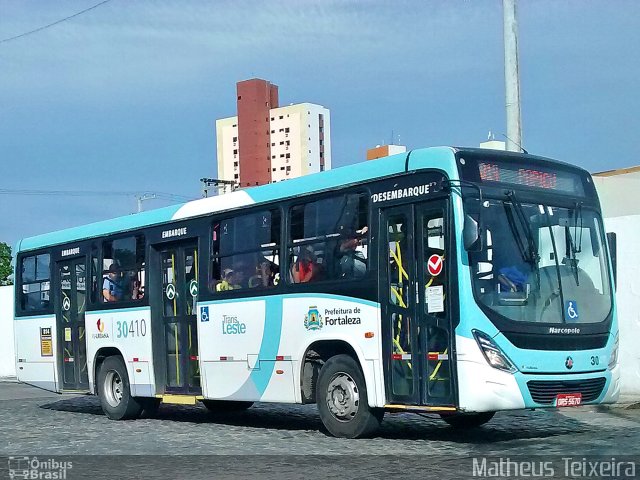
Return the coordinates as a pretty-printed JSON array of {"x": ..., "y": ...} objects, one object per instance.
[
  {"x": 471, "y": 235},
  {"x": 613, "y": 251}
]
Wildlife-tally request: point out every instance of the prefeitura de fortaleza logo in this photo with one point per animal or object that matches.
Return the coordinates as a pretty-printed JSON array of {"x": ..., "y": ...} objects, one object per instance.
[{"x": 313, "y": 319}]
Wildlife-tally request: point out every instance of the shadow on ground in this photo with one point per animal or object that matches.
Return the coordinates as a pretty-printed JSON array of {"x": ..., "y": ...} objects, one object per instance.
[{"x": 506, "y": 426}]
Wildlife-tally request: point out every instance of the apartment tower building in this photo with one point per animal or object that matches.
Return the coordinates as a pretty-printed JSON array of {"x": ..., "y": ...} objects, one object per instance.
[{"x": 266, "y": 143}]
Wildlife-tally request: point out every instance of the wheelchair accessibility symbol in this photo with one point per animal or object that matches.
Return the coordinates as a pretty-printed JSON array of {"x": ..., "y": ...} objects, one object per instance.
[
  {"x": 204, "y": 314},
  {"x": 571, "y": 309}
]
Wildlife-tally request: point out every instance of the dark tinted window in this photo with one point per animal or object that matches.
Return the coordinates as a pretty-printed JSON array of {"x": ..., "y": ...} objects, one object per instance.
[
  {"x": 123, "y": 269},
  {"x": 329, "y": 239},
  {"x": 245, "y": 252},
  {"x": 36, "y": 274}
]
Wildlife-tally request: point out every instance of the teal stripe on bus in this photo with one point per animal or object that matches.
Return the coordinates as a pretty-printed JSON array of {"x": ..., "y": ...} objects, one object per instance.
[
  {"x": 36, "y": 317},
  {"x": 270, "y": 344},
  {"x": 120, "y": 224},
  {"x": 293, "y": 295}
]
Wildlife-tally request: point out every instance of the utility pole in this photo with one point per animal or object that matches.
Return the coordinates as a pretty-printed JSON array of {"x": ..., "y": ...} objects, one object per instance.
[
  {"x": 142, "y": 198},
  {"x": 208, "y": 182},
  {"x": 512, "y": 77}
]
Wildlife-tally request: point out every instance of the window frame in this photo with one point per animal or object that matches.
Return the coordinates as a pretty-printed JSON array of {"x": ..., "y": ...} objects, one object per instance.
[
  {"x": 18, "y": 293},
  {"x": 363, "y": 191},
  {"x": 99, "y": 303},
  {"x": 245, "y": 291}
]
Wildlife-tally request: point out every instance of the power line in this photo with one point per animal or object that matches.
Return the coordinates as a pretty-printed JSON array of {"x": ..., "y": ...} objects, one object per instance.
[
  {"x": 89, "y": 193},
  {"x": 54, "y": 23}
]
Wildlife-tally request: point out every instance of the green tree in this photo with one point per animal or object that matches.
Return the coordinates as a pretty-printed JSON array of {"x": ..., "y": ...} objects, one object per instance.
[{"x": 5, "y": 264}]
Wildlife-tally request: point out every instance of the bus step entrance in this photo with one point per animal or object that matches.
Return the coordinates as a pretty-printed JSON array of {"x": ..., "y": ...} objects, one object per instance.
[{"x": 180, "y": 399}]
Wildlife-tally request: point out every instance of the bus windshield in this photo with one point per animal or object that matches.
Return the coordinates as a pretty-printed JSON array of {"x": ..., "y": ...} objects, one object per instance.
[{"x": 542, "y": 263}]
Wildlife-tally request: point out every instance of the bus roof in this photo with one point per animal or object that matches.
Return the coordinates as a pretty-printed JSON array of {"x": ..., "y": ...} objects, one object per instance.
[
  {"x": 434, "y": 157},
  {"x": 337, "y": 177}
]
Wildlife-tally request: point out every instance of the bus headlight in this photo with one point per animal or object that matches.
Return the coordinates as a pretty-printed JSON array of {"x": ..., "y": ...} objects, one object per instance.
[
  {"x": 613, "y": 359},
  {"x": 493, "y": 353}
]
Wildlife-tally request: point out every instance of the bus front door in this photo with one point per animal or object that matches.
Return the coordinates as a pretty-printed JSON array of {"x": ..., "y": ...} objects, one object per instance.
[
  {"x": 415, "y": 291},
  {"x": 179, "y": 289},
  {"x": 71, "y": 301}
]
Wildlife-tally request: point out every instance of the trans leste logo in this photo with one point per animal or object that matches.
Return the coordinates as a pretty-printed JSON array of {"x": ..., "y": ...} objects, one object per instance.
[
  {"x": 100, "y": 325},
  {"x": 313, "y": 319}
]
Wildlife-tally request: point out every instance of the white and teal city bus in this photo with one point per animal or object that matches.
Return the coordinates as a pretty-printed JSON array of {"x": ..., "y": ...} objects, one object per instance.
[{"x": 451, "y": 281}]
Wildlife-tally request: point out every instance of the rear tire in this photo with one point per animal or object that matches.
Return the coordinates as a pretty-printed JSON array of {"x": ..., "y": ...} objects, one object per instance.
[
  {"x": 468, "y": 420},
  {"x": 217, "y": 406},
  {"x": 115, "y": 392},
  {"x": 341, "y": 396}
]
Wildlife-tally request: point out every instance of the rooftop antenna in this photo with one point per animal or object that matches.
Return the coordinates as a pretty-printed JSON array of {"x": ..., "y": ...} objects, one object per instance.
[{"x": 517, "y": 144}]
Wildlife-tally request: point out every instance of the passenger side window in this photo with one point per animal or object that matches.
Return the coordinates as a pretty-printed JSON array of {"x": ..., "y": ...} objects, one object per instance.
[
  {"x": 329, "y": 239},
  {"x": 245, "y": 252},
  {"x": 36, "y": 284},
  {"x": 123, "y": 269}
]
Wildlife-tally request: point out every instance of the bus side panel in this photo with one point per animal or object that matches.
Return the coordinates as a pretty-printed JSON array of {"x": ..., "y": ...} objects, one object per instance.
[
  {"x": 36, "y": 347},
  {"x": 315, "y": 318},
  {"x": 239, "y": 351},
  {"x": 129, "y": 331},
  {"x": 253, "y": 349}
]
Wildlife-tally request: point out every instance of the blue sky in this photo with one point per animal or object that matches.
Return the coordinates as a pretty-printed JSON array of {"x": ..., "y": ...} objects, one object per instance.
[{"x": 125, "y": 97}]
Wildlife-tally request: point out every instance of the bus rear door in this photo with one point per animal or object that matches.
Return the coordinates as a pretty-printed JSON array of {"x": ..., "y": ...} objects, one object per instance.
[
  {"x": 177, "y": 286},
  {"x": 71, "y": 302},
  {"x": 415, "y": 291}
]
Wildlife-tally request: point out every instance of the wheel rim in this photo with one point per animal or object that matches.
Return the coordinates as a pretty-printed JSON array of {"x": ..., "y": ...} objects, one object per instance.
[
  {"x": 113, "y": 388},
  {"x": 343, "y": 398}
]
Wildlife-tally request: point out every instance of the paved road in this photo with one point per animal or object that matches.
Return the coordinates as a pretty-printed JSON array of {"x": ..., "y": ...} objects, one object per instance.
[{"x": 34, "y": 422}]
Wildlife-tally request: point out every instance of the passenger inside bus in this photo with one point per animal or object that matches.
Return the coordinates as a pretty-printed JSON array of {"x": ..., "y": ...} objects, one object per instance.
[
  {"x": 266, "y": 272},
  {"x": 352, "y": 261},
  {"x": 112, "y": 290},
  {"x": 306, "y": 267},
  {"x": 231, "y": 280}
]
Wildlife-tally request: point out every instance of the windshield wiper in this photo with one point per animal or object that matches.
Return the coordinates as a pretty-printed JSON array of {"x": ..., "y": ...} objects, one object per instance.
[
  {"x": 555, "y": 256},
  {"x": 532, "y": 256},
  {"x": 571, "y": 248}
]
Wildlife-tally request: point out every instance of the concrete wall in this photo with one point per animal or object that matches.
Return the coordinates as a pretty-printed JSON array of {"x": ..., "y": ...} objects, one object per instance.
[
  {"x": 7, "y": 346},
  {"x": 619, "y": 193},
  {"x": 627, "y": 229}
]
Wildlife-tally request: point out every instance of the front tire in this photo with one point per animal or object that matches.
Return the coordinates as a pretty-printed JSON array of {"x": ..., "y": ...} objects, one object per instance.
[
  {"x": 341, "y": 396},
  {"x": 115, "y": 392},
  {"x": 468, "y": 420}
]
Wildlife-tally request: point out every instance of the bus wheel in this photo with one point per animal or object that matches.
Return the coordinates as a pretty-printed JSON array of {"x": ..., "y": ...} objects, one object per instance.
[
  {"x": 341, "y": 396},
  {"x": 114, "y": 391},
  {"x": 467, "y": 420},
  {"x": 226, "y": 405}
]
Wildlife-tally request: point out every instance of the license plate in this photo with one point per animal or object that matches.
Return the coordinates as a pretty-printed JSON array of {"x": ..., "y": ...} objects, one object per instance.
[{"x": 568, "y": 399}]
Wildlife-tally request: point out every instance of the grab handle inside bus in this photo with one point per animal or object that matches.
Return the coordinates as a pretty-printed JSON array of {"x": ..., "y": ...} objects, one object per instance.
[{"x": 613, "y": 251}]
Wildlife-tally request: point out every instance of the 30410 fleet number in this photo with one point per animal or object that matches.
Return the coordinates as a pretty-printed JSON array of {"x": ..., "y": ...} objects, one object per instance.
[{"x": 134, "y": 328}]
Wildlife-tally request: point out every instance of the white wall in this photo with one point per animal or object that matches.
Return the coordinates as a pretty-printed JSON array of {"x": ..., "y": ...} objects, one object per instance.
[
  {"x": 627, "y": 229},
  {"x": 7, "y": 349}
]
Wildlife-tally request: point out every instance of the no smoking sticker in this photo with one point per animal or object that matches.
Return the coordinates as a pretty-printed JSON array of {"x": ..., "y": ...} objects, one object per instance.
[{"x": 434, "y": 265}]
